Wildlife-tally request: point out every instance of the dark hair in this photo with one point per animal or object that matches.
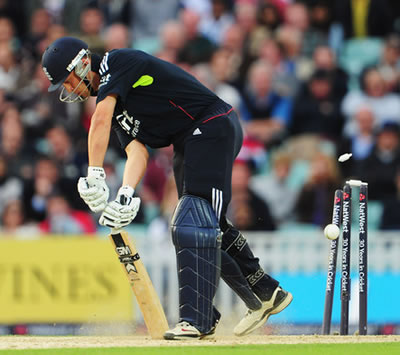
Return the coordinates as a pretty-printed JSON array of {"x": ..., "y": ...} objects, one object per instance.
[
  {"x": 321, "y": 74},
  {"x": 389, "y": 126}
]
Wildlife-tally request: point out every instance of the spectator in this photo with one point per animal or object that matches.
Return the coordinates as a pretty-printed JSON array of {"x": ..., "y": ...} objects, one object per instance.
[
  {"x": 216, "y": 23},
  {"x": 314, "y": 203},
  {"x": 298, "y": 17},
  {"x": 10, "y": 186},
  {"x": 247, "y": 209},
  {"x": 40, "y": 24},
  {"x": 157, "y": 174},
  {"x": 197, "y": 48},
  {"x": 222, "y": 66},
  {"x": 324, "y": 58},
  {"x": 275, "y": 189},
  {"x": 321, "y": 15},
  {"x": 373, "y": 93},
  {"x": 172, "y": 36},
  {"x": 114, "y": 11},
  {"x": 226, "y": 92},
  {"x": 147, "y": 19},
  {"x": 45, "y": 181},
  {"x": 13, "y": 223},
  {"x": 61, "y": 219},
  {"x": 233, "y": 40},
  {"x": 253, "y": 152},
  {"x": 4, "y": 102},
  {"x": 9, "y": 69},
  {"x": 389, "y": 65},
  {"x": 54, "y": 32},
  {"x": 269, "y": 17},
  {"x": 159, "y": 227},
  {"x": 12, "y": 11},
  {"x": 232, "y": 47},
  {"x": 13, "y": 145},
  {"x": 201, "y": 7},
  {"x": 285, "y": 82},
  {"x": 39, "y": 109},
  {"x": 246, "y": 20},
  {"x": 360, "y": 144},
  {"x": 381, "y": 166},
  {"x": 7, "y": 33},
  {"x": 291, "y": 41},
  {"x": 316, "y": 110},
  {"x": 266, "y": 114},
  {"x": 91, "y": 25},
  {"x": 71, "y": 162},
  {"x": 38, "y": 189},
  {"x": 117, "y": 36}
]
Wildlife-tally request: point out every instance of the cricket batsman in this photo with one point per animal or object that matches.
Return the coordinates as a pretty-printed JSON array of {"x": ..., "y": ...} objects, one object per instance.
[{"x": 152, "y": 103}]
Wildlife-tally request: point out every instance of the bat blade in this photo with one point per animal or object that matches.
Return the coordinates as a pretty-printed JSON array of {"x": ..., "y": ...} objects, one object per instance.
[{"x": 146, "y": 296}]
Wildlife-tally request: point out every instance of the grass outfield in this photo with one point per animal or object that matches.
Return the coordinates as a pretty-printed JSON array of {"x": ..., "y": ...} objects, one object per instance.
[{"x": 286, "y": 349}]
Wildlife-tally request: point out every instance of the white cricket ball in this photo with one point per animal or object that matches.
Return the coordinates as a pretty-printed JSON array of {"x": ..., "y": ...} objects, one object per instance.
[{"x": 331, "y": 231}]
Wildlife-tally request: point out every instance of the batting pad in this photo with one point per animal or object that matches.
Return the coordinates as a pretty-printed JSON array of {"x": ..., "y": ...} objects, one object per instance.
[{"x": 197, "y": 239}]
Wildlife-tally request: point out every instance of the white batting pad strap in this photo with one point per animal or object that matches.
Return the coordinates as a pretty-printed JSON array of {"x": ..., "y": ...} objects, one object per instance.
[{"x": 96, "y": 172}]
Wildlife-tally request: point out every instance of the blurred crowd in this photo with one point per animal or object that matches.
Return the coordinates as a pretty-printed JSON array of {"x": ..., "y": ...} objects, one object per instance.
[{"x": 309, "y": 79}]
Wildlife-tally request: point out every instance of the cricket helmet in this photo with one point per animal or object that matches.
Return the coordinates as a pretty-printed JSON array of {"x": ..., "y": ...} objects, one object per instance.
[{"x": 62, "y": 57}]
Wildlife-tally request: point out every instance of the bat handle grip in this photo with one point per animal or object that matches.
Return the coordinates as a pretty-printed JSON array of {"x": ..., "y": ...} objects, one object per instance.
[{"x": 116, "y": 230}]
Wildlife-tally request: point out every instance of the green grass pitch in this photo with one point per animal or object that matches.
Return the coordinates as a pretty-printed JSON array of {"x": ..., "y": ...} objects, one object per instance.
[{"x": 295, "y": 349}]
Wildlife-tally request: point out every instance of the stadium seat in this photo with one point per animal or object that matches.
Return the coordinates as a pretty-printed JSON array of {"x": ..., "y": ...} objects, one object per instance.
[{"x": 356, "y": 54}]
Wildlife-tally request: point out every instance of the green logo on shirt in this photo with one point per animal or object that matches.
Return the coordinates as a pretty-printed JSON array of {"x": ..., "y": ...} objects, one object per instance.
[{"x": 144, "y": 80}]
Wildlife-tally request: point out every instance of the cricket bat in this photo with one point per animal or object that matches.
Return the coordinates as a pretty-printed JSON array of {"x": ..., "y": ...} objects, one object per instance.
[{"x": 146, "y": 296}]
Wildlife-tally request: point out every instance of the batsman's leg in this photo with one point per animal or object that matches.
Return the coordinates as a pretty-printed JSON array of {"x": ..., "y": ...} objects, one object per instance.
[
  {"x": 197, "y": 238},
  {"x": 234, "y": 278},
  {"x": 273, "y": 298}
]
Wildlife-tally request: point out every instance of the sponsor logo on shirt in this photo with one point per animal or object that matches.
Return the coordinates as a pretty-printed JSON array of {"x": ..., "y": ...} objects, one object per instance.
[
  {"x": 128, "y": 123},
  {"x": 104, "y": 80},
  {"x": 144, "y": 80},
  {"x": 104, "y": 65}
]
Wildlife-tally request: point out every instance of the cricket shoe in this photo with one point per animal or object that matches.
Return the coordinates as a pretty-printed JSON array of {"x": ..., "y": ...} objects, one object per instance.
[
  {"x": 186, "y": 331},
  {"x": 211, "y": 333},
  {"x": 254, "y": 319}
]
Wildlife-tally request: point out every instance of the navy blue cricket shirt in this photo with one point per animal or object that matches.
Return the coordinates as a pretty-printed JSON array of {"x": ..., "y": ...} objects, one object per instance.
[{"x": 156, "y": 101}]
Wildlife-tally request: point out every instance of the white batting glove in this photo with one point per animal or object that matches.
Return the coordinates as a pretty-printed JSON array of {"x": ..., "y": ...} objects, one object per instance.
[
  {"x": 121, "y": 212},
  {"x": 93, "y": 189}
]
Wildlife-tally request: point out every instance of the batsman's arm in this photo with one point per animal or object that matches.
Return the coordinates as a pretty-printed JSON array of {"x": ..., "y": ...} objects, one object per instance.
[
  {"x": 99, "y": 132},
  {"x": 136, "y": 163}
]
